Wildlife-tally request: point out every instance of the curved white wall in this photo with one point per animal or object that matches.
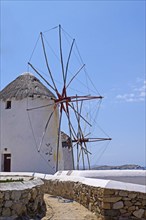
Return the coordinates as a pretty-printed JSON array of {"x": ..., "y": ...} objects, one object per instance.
[{"x": 21, "y": 133}]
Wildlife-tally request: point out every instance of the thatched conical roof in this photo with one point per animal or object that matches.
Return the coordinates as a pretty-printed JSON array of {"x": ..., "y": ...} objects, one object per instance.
[{"x": 25, "y": 85}]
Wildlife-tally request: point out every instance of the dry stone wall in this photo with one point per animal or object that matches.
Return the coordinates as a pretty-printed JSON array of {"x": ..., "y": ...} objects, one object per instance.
[
  {"x": 18, "y": 199},
  {"x": 108, "y": 204}
]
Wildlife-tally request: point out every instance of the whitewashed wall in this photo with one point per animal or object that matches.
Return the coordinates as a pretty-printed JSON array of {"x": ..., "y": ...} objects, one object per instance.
[
  {"x": 22, "y": 140},
  {"x": 68, "y": 158}
]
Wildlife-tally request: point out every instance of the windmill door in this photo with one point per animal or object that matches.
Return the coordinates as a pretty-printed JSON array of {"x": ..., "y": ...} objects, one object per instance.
[{"x": 7, "y": 162}]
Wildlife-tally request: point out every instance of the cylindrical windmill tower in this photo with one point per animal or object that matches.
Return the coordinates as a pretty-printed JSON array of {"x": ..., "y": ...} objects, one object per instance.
[{"x": 29, "y": 127}]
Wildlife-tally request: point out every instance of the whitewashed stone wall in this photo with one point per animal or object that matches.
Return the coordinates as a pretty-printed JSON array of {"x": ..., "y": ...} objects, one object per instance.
[
  {"x": 21, "y": 199},
  {"x": 123, "y": 203},
  {"x": 108, "y": 204}
]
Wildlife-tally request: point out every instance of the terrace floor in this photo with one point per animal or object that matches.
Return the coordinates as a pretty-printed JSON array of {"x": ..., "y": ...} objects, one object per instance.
[{"x": 60, "y": 209}]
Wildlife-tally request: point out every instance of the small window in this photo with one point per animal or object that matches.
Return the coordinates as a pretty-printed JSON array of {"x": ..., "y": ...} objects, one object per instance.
[{"x": 8, "y": 104}]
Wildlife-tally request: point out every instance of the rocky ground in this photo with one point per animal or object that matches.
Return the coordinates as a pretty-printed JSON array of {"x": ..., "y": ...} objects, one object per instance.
[{"x": 61, "y": 209}]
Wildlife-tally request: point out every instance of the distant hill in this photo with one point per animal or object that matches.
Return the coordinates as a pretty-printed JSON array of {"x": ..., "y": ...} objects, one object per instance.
[{"x": 122, "y": 167}]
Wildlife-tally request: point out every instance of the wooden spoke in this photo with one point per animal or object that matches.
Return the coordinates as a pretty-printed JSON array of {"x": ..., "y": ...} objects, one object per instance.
[
  {"x": 80, "y": 115},
  {"x": 73, "y": 133},
  {"x": 75, "y": 75},
  {"x": 92, "y": 139},
  {"x": 58, "y": 141},
  {"x": 46, "y": 126},
  {"x": 70, "y": 99},
  {"x": 87, "y": 155},
  {"x": 38, "y": 107},
  {"x": 78, "y": 158},
  {"x": 66, "y": 70},
  {"x": 81, "y": 144},
  {"x": 78, "y": 120},
  {"x": 41, "y": 76},
  {"x": 61, "y": 55},
  {"x": 70, "y": 131},
  {"x": 83, "y": 158},
  {"x": 47, "y": 64}
]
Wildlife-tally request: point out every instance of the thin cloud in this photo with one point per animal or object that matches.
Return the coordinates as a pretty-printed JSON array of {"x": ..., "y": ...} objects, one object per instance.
[{"x": 137, "y": 94}]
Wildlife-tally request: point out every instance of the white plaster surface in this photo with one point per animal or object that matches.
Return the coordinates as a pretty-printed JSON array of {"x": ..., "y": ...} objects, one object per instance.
[
  {"x": 20, "y": 185},
  {"x": 129, "y": 176},
  {"x": 21, "y": 135},
  {"x": 104, "y": 173},
  {"x": 109, "y": 184}
]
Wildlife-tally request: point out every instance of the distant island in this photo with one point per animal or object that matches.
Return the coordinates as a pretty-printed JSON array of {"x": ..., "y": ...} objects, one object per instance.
[{"x": 121, "y": 167}]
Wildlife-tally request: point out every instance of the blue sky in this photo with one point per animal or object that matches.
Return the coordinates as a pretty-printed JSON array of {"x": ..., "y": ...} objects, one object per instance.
[{"x": 111, "y": 38}]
